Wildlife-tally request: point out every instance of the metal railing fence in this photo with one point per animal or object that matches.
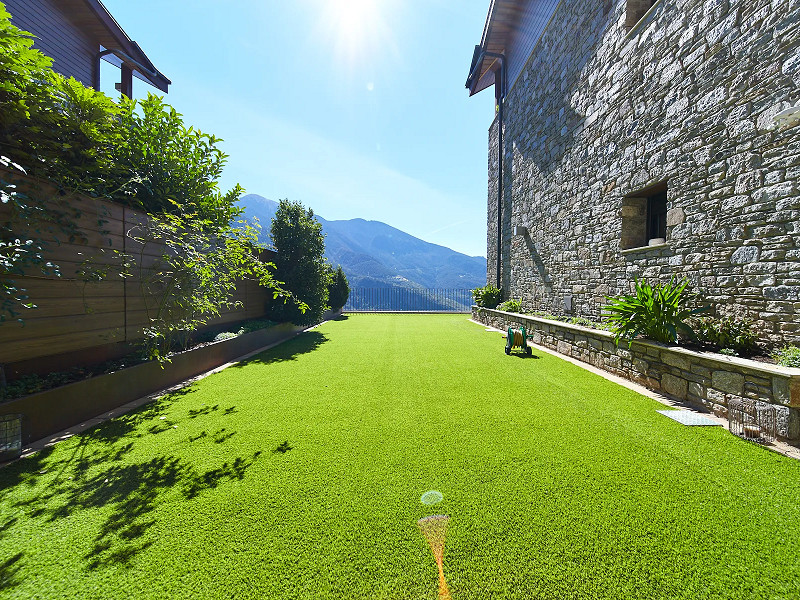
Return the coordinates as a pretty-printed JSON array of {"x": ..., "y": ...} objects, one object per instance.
[{"x": 397, "y": 299}]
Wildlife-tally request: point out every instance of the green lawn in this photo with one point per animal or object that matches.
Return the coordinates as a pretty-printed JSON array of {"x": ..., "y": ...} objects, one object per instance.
[{"x": 299, "y": 475}]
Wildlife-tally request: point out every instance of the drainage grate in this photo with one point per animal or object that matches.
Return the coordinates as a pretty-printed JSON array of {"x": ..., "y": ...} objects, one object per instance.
[
  {"x": 688, "y": 417},
  {"x": 10, "y": 436}
]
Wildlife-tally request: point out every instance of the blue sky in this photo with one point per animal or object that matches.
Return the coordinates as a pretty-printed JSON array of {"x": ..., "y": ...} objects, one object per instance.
[{"x": 357, "y": 108}]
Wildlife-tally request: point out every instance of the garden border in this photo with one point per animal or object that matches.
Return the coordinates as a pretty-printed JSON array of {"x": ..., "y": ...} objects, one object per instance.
[
  {"x": 701, "y": 378},
  {"x": 51, "y": 411}
]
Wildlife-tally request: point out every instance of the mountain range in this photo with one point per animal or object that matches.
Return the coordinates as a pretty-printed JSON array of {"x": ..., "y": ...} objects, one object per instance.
[{"x": 376, "y": 255}]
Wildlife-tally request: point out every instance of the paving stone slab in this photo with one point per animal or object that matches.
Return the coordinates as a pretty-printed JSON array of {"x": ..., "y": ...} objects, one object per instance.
[{"x": 688, "y": 417}]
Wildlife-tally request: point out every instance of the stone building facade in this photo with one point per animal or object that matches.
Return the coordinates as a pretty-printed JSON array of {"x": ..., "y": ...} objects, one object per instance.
[{"x": 639, "y": 141}]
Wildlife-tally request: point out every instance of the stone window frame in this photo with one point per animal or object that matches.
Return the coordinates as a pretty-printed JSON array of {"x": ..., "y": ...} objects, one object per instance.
[
  {"x": 636, "y": 11},
  {"x": 636, "y": 214}
]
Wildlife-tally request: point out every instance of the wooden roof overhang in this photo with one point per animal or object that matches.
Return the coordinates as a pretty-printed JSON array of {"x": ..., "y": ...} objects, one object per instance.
[
  {"x": 94, "y": 19},
  {"x": 501, "y": 22}
]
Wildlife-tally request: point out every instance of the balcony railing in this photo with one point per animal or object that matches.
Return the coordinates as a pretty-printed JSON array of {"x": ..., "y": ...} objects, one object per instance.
[{"x": 397, "y": 299}]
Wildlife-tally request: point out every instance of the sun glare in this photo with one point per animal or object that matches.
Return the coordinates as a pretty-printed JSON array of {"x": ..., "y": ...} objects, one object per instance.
[
  {"x": 352, "y": 17},
  {"x": 357, "y": 28}
]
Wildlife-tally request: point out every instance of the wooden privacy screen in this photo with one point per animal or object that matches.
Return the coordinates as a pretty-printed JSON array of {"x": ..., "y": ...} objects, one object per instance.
[{"x": 74, "y": 315}]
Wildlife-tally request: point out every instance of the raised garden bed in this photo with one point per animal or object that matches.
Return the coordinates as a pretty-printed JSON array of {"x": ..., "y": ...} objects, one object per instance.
[
  {"x": 57, "y": 409},
  {"x": 703, "y": 378}
]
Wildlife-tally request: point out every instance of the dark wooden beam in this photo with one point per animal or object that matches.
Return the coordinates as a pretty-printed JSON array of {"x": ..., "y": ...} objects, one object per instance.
[{"x": 126, "y": 85}]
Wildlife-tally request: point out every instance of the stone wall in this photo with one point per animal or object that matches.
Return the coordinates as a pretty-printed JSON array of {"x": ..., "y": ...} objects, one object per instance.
[
  {"x": 702, "y": 378},
  {"x": 686, "y": 96}
]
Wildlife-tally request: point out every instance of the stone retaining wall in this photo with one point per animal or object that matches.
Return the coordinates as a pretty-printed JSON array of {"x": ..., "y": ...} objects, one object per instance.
[{"x": 703, "y": 378}]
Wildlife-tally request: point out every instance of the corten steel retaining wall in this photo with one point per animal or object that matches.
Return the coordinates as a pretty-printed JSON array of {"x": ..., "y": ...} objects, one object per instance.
[
  {"x": 702, "y": 378},
  {"x": 80, "y": 322}
]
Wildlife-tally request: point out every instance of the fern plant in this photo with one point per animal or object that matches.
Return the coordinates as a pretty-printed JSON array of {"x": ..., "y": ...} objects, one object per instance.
[{"x": 656, "y": 312}]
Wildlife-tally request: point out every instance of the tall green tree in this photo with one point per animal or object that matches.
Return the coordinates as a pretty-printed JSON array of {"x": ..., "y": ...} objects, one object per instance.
[
  {"x": 338, "y": 288},
  {"x": 300, "y": 264}
]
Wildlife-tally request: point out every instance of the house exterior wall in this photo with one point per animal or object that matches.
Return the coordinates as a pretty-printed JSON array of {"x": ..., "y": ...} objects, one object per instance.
[
  {"x": 73, "y": 53},
  {"x": 535, "y": 18},
  {"x": 602, "y": 111}
]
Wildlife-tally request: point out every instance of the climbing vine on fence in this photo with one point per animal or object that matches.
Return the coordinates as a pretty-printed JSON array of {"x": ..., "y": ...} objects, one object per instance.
[{"x": 136, "y": 152}]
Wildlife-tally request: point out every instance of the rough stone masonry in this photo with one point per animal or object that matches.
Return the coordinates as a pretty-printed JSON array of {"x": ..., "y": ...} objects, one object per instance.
[{"x": 686, "y": 99}]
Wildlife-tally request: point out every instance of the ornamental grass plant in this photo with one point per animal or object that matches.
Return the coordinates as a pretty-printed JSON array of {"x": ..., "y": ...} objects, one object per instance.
[{"x": 655, "y": 312}]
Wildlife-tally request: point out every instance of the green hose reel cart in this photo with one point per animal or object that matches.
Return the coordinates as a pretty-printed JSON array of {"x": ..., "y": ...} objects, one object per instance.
[{"x": 518, "y": 339}]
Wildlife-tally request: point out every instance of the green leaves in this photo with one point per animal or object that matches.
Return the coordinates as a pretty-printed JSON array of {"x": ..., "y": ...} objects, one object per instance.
[
  {"x": 788, "y": 356},
  {"x": 338, "y": 289},
  {"x": 730, "y": 333},
  {"x": 653, "y": 312},
  {"x": 512, "y": 305},
  {"x": 194, "y": 278},
  {"x": 298, "y": 238},
  {"x": 138, "y": 152},
  {"x": 487, "y": 296}
]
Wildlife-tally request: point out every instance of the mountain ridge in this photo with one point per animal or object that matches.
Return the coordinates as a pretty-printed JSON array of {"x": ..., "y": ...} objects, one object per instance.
[{"x": 375, "y": 254}]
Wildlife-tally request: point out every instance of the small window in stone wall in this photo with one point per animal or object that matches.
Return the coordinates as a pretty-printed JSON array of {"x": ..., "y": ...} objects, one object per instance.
[
  {"x": 644, "y": 217},
  {"x": 635, "y": 10},
  {"x": 657, "y": 216}
]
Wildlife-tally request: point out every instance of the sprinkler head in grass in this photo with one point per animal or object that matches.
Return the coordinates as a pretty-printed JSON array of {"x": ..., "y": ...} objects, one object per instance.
[
  {"x": 434, "y": 528},
  {"x": 431, "y": 497}
]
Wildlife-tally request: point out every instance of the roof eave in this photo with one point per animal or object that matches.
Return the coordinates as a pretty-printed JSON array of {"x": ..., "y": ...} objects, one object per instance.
[
  {"x": 112, "y": 36},
  {"x": 494, "y": 40}
]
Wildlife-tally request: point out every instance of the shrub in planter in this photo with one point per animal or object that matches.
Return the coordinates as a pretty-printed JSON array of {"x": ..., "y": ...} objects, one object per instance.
[
  {"x": 656, "y": 312},
  {"x": 225, "y": 335},
  {"x": 726, "y": 333},
  {"x": 487, "y": 296},
  {"x": 788, "y": 356},
  {"x": 512, "y": 305}
]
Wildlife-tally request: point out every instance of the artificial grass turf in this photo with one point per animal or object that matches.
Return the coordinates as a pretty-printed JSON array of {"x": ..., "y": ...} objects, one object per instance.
[{"x": 298, "y": 475}]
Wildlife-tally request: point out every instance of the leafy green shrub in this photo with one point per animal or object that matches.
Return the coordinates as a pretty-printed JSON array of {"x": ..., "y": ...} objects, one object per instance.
[
  {"x": 584, "y": 322},
  {"x": 256, "y": 325},
  {"x": 25, "y": 80},
  {"x": 487, "y": 296},
  {"x": 225, "y": 335},
  {"x": 300, "y": 263},
  {"x": 788, "y": 356},
  {"x": 338, "y": 289},
  {"x": 727, "y": 332},
  {"x": 193, "y": 279},
  {"x": 136, "y": 152},
  {"x": 511, "y": 305},
  {"x": 654, "y": 312}
]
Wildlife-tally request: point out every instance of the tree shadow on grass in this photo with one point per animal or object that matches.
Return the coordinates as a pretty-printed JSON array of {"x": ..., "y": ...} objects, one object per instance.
[
  {"x": 96, "y": 473},
  {"x": 126, "y": 425},
  {"x": 302, "y": 344},
  {"x": 130, "y": 493},
  {"x": 9, "y": 570},
  {"x": 9, "y": 567}
]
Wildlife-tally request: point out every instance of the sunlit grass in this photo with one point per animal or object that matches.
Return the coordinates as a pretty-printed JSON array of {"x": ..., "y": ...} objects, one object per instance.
[{"x": 300, "y": 473}]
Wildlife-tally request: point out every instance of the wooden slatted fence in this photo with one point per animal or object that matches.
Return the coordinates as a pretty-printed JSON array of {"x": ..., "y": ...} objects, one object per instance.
[{"x": 77, "y": 317}]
